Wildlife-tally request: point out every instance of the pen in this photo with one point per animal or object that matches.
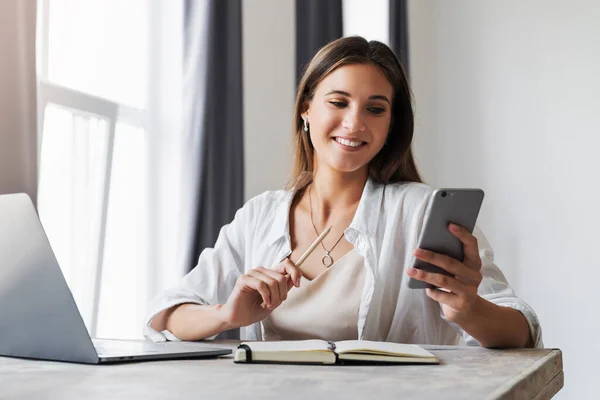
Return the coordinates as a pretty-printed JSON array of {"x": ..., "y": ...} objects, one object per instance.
[
  {"x": 308, "y": 251},
  {"x": 312, "y": 246}
]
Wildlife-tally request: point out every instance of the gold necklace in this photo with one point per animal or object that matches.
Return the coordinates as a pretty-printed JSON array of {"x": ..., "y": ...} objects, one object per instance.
[{"x": 327, "y": 260}]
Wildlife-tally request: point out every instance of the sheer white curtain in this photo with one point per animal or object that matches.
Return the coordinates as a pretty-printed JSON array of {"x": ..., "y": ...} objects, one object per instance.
[{"x": 110, "y": 100}]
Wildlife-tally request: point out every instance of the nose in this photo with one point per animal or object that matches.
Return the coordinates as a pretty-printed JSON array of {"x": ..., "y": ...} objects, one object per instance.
[{"x": 353, "y": 121}]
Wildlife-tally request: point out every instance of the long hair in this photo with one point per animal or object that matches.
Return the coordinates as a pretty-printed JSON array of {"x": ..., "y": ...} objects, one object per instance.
[{"x": 395, "y": 161}]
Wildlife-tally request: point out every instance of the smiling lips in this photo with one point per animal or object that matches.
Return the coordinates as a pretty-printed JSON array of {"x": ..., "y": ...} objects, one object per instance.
[{"x": 349, "y": 143}]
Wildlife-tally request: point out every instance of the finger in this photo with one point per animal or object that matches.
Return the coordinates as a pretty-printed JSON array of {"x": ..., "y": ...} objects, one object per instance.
[
  {"x": 271, "y": 283},
  {"x": 261, "y": 287},
  {"x": 442, "y": 297},
  {"x": 449, "y": 264},
  {"x": 439, "y": 280},
  {"x": 458, "y": 303},
  {"x": 288, "y": 267},
  {"x": 470, "y": 246},
  {"x": 282, "y": 281}
]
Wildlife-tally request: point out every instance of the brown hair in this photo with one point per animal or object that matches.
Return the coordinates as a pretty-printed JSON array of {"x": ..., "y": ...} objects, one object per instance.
[{"x": 395, "y": 161}]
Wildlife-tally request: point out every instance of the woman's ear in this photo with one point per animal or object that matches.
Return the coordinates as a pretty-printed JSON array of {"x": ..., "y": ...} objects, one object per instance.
[{"x": 305, "y": 108}]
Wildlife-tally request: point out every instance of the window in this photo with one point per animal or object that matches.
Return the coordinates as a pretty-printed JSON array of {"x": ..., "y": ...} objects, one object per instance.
[
  {"x": 93, "y": 189},
  {"x": 369, "y": 19}
]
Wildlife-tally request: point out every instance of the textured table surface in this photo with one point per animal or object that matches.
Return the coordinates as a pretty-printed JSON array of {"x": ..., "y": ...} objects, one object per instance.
[{"x": 464, "y": 373}]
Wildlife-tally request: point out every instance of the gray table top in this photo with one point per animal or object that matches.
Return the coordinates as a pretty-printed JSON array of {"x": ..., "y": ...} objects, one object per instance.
[{"x": 464, "y": 373}]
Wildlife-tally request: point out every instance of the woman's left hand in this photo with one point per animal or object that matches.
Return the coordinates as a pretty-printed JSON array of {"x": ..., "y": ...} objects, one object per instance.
[{"x": 462, "y": 297}]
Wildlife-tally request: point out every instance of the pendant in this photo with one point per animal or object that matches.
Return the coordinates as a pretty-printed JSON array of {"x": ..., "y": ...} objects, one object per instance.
[{"x": 327, "y": 260}]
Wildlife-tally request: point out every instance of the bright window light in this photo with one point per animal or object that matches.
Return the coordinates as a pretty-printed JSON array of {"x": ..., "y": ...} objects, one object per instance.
[
  {"x": 93, "y": 193},
  {"x": 369, "y": 19},
  {"x": 100, "y": 47}
]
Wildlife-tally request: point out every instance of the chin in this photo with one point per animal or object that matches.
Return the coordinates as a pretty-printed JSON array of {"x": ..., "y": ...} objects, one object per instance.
[{"x": 348, "y": 167}]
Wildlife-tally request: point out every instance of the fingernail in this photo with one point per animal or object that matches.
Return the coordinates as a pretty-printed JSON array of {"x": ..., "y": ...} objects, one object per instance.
[
  {"x": 297, "y": 283},
  {"x": 411, "y": 271},
  {"x": 421, "y": 252},
  {"x": 454, "y": 228}
]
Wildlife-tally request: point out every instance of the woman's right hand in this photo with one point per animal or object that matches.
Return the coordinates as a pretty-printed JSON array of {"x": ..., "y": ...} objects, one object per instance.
[{"x": 260, "y": 285}]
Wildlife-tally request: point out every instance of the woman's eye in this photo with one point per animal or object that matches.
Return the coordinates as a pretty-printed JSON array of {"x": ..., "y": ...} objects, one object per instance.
[
  {"x": 376, "y": 110},
  {"x": 338, "y": 104}
]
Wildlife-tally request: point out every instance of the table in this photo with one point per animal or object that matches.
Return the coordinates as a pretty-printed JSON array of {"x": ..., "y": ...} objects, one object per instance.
[{"x": 464, "y": 373}]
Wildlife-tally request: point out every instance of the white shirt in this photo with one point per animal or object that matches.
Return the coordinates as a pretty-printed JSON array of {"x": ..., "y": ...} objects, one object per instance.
[{"x": 385, "y": 231}]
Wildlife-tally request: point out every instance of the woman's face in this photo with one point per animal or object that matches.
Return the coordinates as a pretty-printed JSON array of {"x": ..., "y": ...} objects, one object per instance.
[{"x": 349, "y": 117}]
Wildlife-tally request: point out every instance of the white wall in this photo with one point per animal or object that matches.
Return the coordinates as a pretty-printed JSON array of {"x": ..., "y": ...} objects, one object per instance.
[
  {"x": 269, "y": 29},
  {"x": 18, "y": 123},
  {"x": 508, "y": 99}
]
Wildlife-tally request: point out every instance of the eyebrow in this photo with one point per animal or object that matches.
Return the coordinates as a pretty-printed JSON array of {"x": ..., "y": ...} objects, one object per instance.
[{"x": 374, "y": 97}]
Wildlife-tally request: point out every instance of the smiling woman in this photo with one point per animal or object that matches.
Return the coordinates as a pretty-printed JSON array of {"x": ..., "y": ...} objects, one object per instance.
[
  {"x": 355, "y": 173},
  {"x": 349, "y": 120},
  {"x": 361, "y": 89}
]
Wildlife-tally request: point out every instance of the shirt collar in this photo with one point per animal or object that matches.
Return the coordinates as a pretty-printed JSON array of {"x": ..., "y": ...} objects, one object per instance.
[
  {"x": 281, "y": 218},
  {"x": 365, "y": 219},
  {"x": 367, "y": 214}
]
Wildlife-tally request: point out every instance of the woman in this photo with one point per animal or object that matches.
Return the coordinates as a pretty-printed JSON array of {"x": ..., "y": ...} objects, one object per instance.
[{"x": 354, "y": 171}]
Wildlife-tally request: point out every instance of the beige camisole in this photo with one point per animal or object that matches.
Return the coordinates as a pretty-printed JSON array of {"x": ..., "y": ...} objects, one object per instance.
[{"x": 325, "y": 308}]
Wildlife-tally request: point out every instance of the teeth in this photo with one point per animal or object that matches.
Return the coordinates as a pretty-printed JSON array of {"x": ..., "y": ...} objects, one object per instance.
[{"x": 348, "y": 142}]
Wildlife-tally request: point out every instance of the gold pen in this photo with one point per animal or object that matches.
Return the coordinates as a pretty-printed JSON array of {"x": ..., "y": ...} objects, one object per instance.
[{"x": 308, "y": 251}]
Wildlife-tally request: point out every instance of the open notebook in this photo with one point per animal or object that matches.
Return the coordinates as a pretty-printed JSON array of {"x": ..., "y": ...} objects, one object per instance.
[{"x": 323, "y": 352}]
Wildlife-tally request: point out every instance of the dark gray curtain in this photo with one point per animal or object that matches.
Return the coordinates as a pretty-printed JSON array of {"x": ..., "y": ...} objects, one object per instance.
[
  {"x": 399, "y": 31},
  {"x": 318, "y": 22},
  {"x": 214, "y": 115}
]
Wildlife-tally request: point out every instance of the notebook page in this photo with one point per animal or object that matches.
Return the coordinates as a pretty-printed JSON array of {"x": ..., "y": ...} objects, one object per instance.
[
  {"x": 289, "y": 345},
  {"x": 367, "y": 346}
]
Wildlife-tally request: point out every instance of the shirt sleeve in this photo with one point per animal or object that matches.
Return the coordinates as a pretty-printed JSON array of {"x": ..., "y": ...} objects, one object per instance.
[
  {"x": 494, "y": 288},
  {"x": 214, "y": 277}
]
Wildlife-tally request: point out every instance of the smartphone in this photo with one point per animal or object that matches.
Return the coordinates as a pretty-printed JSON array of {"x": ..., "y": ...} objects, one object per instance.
[{"x": 446, "y": 206}]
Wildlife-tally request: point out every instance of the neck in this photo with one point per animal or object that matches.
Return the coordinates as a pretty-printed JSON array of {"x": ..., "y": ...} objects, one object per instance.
[{"x": 335, "y": 193}]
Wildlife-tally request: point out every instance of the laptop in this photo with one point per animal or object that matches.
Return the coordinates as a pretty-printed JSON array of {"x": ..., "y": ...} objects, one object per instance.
[{"x": 38, "y": 315}]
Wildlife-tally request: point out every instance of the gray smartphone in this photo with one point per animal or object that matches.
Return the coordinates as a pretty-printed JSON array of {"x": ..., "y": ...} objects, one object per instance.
[{"x": 458, "y": 206}]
